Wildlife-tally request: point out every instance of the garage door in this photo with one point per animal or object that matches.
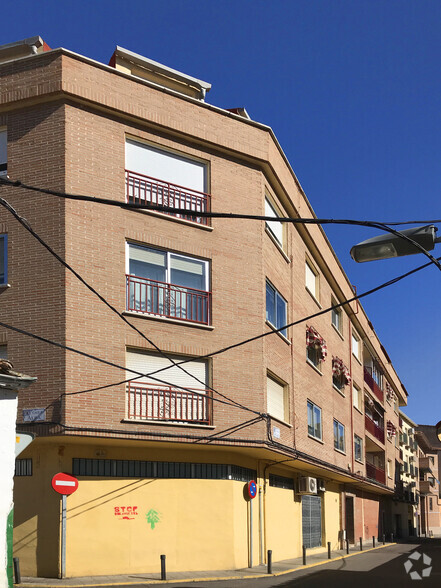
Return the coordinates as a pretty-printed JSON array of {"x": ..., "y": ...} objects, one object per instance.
[{"x": 312, "y": 521}]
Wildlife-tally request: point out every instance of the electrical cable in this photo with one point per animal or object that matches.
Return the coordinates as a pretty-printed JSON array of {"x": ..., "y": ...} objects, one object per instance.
[
  {"x": 205, "y": 214},
  {"x": 28, "y": 227},
  {"x": 231, "y": 430},
  {"x": 312, "y": 316}
]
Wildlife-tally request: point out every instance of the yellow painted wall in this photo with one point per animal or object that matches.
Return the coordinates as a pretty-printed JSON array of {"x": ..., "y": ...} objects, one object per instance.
[
  {"x": 283, "y": 516},
  {"x": 332, "y": 514},
  {"x": 203, "y": 524}
]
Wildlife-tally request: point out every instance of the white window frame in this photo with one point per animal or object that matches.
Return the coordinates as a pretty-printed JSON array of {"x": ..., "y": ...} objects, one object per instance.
[
  {"x": 357, "y": 397},
  {"x": 276, "y": 296},
  {"x": 313, "y": 277},
  {"x": 356, "y": 337},
  {"x": 337, "y": 312},
  {"x": 280, "y": 397},
  {"x": 341, "y": 434},
  {"x": 169, "y": 255},
  {"x": 359, "y": 440},
  {"x": 313, "y": 409},
  {"x": 275, "y": 228}
]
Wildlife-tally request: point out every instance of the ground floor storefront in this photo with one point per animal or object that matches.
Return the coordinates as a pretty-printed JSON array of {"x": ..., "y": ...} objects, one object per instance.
[{"x": 138, "y": 500}]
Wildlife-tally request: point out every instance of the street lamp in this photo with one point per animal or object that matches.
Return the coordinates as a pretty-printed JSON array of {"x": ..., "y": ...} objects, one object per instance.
[{"x": 387, "y": 246}]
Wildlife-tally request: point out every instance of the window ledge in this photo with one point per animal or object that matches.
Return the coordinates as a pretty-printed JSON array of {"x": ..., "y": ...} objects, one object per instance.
[
  {"x": 167, "y": 423},
  {"x": 175, "y": 219},
  {"x": 5, "y": 286},
  {"x": 339, "y": 451},
  {"x": 360, "y": 411},
  {"x": 309, "y": 362},
  {"x": 358, "y": 460},
  {"x": 167, "y": 320},
  {"x": 355, "y": 357},
  {"x": 287, "y": 341},
  {"x": 277, "y": 244},
  {"x": 338, "y": 332},
  {"x": 339, "y": 391},
  {"x": 316, "y": 439},
  {"x": 313, "y": 297},
  {"x": 282, "y": 422}
]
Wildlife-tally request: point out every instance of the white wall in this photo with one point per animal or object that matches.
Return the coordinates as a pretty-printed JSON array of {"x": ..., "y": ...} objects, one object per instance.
[{"x": 8, "y": 416}]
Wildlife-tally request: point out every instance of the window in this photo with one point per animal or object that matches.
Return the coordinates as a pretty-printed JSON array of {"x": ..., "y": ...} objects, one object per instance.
[
  {"x": 281, "y": 482},
  {"x": 339, "y": 436},
  {"x": 389, "y": 468},
  {"x": 276, "y": 399},
  {"x": 3, "y": 152},
  {"x": 316, "y": 348},
  {"x": 311, "y": 280},
  {"x": 3, "y": 259},
  {"x": 156, "y": 176},
  {"x": 358, "y": 398},
  {"x": 3, "y": 352},
  {"x": 23, "y": 467},
  {"x": 336, "y": 317},
  {"x": 184, "y": 398},
  {"x": 358, "y": 448},
  {"x": 166, "y": 284},
  {"x": 275, "y": 308},
  {"x": 274, "y": 227},
  {"x": 356, "y": 347},
  {"x": 314, "y": 420},
  {"x": 340, "y": 374}
]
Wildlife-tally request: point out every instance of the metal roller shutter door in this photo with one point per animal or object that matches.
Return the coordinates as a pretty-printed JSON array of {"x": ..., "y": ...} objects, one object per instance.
[{"x": 312, "y": 521}]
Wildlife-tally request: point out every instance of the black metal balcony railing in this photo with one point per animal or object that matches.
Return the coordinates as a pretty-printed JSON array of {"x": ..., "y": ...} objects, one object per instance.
[
  {"x": 141, "y": 189},
  {"x": 164, "y": 403},
  {"x": 373, "y": 384},
  {"x": 168, "y": 300}
]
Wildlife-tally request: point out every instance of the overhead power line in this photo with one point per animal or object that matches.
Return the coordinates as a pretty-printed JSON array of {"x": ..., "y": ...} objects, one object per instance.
[{"x": 28, "y": 227}]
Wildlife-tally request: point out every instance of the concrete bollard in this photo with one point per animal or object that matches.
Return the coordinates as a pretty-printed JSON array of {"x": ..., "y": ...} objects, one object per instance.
[
  {"x": 304, "y": 555},
  {"x": 329, "y": 550},
  {"x": 347, "y": 545},
  {"x": 361, "y": 544},
  {"x": 373, "y": 541}
]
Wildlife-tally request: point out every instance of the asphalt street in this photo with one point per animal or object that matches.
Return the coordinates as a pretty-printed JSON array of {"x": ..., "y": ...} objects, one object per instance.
[{"x": 385, "y": 567}]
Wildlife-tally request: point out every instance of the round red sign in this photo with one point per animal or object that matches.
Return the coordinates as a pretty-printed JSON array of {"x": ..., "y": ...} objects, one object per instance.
[{"x": 64, "y": 483}]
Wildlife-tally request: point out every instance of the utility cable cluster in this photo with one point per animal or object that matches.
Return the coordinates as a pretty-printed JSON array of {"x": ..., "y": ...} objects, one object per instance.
[{"x": 228, "y": 401}]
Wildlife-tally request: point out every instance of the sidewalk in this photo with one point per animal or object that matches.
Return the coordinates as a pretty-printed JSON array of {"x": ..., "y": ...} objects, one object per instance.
[{"x": 260, "y": 571}]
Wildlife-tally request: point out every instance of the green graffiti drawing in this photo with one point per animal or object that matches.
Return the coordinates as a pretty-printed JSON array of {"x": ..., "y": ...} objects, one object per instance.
[{"x": 152, "y": 518}]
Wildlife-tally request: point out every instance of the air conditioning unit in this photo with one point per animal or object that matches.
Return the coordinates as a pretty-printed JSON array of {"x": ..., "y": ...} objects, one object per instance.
[
  {"x": 411, "y": 431},
  {"x": 307, "y": 485},
  {"x": 321, "y": 485}
]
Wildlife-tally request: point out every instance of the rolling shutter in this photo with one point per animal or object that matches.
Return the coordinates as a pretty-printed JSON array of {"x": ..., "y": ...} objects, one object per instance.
[
  {"x": 165, "y": 166},
  {"x": 149, "y": 362},
  {"x": 275, "y": 399}
]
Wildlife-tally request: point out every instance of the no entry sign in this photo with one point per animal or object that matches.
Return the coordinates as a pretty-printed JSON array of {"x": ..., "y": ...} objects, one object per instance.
[{"x": 64, "y": 483}]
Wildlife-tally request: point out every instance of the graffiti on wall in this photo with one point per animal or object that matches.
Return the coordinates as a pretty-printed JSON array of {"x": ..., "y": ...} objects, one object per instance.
[
  {"x": 125, "y": 512},
  {"x": 153, "y": 517}
]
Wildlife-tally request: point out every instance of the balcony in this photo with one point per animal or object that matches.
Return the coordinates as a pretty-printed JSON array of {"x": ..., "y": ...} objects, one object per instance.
[
  {"x": 375, "y": 473},
  {"x": 425, "y": 464},
  {"x": 167, "y": 404},
  {"x": 168, "y": 300},
  {"x": 375, "y": 430},
  {"x": 427, "y": 487},
  {"x": 142, "y": 189},
  {"x": 373, "y": 384}
]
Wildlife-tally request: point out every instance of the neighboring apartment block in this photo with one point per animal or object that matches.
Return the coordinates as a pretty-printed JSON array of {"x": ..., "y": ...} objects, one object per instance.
[
  {"x": 406, "y": 512},
  {"x": 162, "y": 454},
  {"x": 429, "y": 484}
]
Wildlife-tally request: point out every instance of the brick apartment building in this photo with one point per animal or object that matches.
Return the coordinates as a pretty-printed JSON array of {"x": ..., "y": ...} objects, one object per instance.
[
  {"x": 151, "y": 479},
  {"x": 429, "y": 484}
]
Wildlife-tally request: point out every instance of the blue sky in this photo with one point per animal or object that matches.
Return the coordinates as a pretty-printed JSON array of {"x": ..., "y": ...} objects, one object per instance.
[{"x": 352, "y": 90}]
